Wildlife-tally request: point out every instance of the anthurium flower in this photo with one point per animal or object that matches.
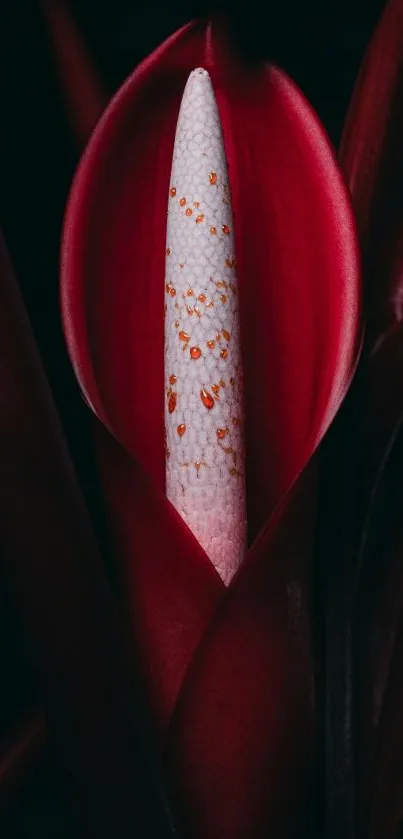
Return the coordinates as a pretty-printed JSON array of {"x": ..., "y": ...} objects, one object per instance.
[
  {"x": 227, "y": 668},
  {"x": 370, "y": 156}
]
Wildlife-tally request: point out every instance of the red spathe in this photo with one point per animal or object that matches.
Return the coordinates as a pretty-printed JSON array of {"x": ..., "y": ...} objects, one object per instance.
[{"x": 234, "y": 663}]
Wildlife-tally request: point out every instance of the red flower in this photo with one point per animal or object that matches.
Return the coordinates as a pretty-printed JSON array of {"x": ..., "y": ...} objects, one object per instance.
[{"x": 227, "y": 671}]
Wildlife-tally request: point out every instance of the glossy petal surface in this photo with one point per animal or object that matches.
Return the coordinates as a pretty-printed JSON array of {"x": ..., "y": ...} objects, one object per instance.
[{"x": 246, "y": 704}]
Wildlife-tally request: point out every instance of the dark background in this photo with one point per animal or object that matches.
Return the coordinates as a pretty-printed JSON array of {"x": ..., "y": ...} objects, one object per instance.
[{"x": 320, "y": 44}]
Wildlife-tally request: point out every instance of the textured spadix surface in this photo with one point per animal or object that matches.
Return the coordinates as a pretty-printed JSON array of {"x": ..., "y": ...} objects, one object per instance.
[{"x": 203, "y": 373}]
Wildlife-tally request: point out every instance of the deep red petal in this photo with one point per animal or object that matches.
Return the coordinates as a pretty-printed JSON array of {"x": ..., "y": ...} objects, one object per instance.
[{"x": 241, "y": 743}]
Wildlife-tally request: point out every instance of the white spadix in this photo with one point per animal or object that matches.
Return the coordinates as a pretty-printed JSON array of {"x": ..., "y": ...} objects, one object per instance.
[{"x": 205, "y": 477}]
